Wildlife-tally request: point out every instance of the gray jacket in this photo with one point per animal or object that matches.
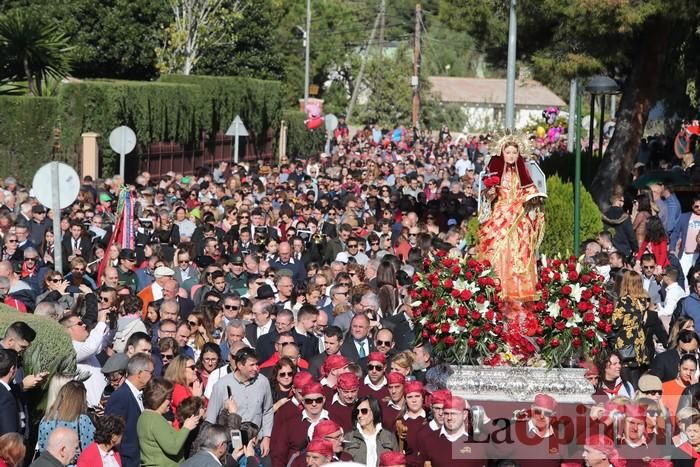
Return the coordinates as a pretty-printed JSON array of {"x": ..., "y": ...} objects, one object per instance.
[{"x": 354, "y": 444}]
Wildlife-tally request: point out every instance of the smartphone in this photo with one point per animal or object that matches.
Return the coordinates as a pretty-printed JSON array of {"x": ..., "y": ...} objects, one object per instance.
[
  {"x": 236, "y": 440},
  {"x": 228, "y": 390}
]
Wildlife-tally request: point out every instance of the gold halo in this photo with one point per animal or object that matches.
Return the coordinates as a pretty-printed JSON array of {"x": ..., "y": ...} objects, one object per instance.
[{"x": 508, "y": 137}]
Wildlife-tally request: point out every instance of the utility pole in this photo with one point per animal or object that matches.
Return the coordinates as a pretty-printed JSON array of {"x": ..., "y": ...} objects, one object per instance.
[
  {"x": 510, "y": 86},
  {"x": 358, "y": 81},
  {"x": 307, "y": 54},
  {"x": 415, "y": 81}
]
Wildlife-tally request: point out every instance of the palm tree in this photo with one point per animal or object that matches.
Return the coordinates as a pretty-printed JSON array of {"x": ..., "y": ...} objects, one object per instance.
[{"x": 32, "y": 49}]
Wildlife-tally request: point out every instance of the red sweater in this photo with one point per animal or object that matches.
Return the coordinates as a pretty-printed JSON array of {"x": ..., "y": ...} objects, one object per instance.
[{"x": 660, "y": 251}]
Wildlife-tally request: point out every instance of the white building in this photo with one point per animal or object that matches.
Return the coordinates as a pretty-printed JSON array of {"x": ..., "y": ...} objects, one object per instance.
[{"x": 483, "y": 100}]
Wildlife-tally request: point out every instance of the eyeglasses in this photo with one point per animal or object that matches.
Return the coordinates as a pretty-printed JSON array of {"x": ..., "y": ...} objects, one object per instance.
[
  {"x": 33, "y": 259},
  {"x": 56, "y": 280},
  {"x": 412, "y": 234},
  {"x": 167, "y": 356},
  {"x": 211, "y": 359},
  {"x": 243, "y": 217},
  {"x": 354, "y": 245},
  {"x": 232, "y": 307},
  {"x": 652, "y": 393},
  {"x": 318, "y": 400},
  {"x": 11, "y": 240},
  {"x": 375, "y": 367},
  {"x": 543, "y": 412},
  {"x": 78, "y": 323},
  {"x": 383, "y": 343},
  {"x": 285, "y": 374},
  {"x": 79, "y": 269},
  {"x": 193, "y": 323},
  {"x": 374, "y": 243},
  {"x": 340, "y": 293},
  {"x": 364, "y": 410}
]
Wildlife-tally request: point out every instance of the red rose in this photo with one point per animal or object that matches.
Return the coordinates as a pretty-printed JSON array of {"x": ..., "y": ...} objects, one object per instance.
[
  {"x": 476, "y": 315},
  {"x": 585, "y": 278},
  {"x": 489, "y": 315},
  {"x": 466, "y": 295},
  {"x": 416, "y": 278},
  {"x": 597, "y": 289},
  {"x": 480, "y": 299},
  {"x": 582, "y": 306},
  {"x": 492, "y": 347},
  {"x": 548, "y": 321},
  {"x": 425, "y": 293},
  {"x": 469, "y": 275},
  {"x": 433, "y": 340},
  {"x": 575, "y": 331},
  {"x": 587, "y": 294},
  {"x": 540, "y": 341},
  {"x": 557, "y": 276},
  {"x": 554, "y": 343},
  {"x": 448, "y": 284},
  {"x": 560, "y": 325},
  {"x": 563, "y": 302},
  {"x": 456, "y": 270},
  {"x": 577, "y": 342},
  {"x": 545, "y": 295},
  {"x": 476, "y": 332},
  {"x": 462, "y": 322},
  {"x": 588, "y": 317},
  {"x": 556, "y": 263},
  {"x": 463, "y": 312},
  {"x": 590, "y": 334},
  {"x": 441, "y": 253},
  {"x": 445, "y": 328},
  {"x": 486, "y": 264},
  {"x": 450, "y": 312},
  {"x": 566, "y": 290},
  {"x": 573, "y": 276},
  {"x": 455, "y": 293},
  {"x": 447, "y": 262},
  {"x": 498, "y": 330},
  {"x": 487, "y": 327},
  {"x": 471, "y": 342},
  {"x": 567, "y": 313},
  {"x": 425, "y": 334},
  {"x": 449, "y": 341}
]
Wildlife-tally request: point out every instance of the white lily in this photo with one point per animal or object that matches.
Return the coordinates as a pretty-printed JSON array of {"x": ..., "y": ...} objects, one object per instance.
[{"x": 553, "y": 309}]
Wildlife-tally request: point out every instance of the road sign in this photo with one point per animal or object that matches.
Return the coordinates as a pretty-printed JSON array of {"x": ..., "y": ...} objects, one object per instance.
[
  {"x": 122, "y": 140},
  {"x": 331, "y": 122},
  {"x": 59, "y": 193},
  {"x": 236, "y": 130}
]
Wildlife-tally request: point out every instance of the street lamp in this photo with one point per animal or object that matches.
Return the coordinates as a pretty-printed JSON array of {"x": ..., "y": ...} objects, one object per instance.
[
  {"x": 598, "y": 85},
  {"x": 306, "y": 35}
]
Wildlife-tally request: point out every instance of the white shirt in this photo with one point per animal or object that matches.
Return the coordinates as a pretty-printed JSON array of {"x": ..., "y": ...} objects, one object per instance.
[
  {"x": 262, "y": 330},
  {"x": 455, "y": 437},
  {"x": 433, "y": 425},
  {"x": 419, "y": 415},
  {"x": 7, "y": 386},
  {"x": 462, "y": 165},
  {"x": 369, "y": 384},
  {"x": 365, "y": 346},
  {"x": 138, "y": 395},
  {"x": 86, "y": 356},
  {"x": 108, "y": 459},
  {"x": 531, "y": 429},
  {"x": 674, "y": 293},
  {"x": 157, "y": 291},
  {"x": 371, "y": 443},
  {"x": 312, "y": 424}
]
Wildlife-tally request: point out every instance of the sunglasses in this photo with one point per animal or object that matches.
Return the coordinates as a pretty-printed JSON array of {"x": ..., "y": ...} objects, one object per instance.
[
  {"x": 653, "y": 393},
  {"x": 56, "y": 280},
  {"x": 103, "y": 299},
  {"x": 11, "y": 241},
  {"x": 285, "y": 374},
  {"x": 30, "y": 259},
  {"x": 232, "y": 307},
  {"x": 383, "y": 343},
  {"x": 167, "y": 356},
  {"x": 190, "y": 367},
  {"x": 79, "y": 269},
  {"x": 543, "y": 412},
  {"x": 374, "y": 243},
  {"x": 193, "y": 323},
  {"x": 79, "y": 323},
  {"x": 364, "y": 410},
  {"x": 318, "y": 400},
  {"x": 354, "y": 245},
  {"x": 375, "y": 367}
]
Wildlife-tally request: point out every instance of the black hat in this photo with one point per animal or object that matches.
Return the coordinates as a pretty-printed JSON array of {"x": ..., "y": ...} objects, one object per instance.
[
  {"x": 265, "y": 291},
  {"x": 38, "y": 209},
  {"x": 203, "y": 261},
  {"x": 127, "y": 253},
  {"x": 236, "y": 258}
]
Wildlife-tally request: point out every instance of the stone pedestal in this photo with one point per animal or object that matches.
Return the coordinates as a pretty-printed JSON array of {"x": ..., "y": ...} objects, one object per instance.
[
  {"x": 520, "y": 384},
  {"x": 90, "y": 156}
]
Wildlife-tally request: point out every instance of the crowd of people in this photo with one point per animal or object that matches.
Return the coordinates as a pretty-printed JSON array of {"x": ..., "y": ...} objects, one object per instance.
[{"x": 262, "y": 317}]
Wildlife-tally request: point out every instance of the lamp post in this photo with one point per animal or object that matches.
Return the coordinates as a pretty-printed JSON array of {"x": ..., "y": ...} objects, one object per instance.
[
  {"x": 598, "y": 85},
  {"x": 306, "y": 35},
  {"x": 577, "y": 172},
  {"x": 510, "y": 81}
]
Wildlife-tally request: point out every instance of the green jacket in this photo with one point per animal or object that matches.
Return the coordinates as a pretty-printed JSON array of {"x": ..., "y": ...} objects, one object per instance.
[{"x": 161, "y": 445}]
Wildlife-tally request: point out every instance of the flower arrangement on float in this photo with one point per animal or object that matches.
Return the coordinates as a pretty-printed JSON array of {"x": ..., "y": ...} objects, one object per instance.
[{"x": 457, "y": 308}]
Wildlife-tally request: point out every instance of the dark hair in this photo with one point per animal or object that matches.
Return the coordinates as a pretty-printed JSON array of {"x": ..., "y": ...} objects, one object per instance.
[
  {"x": 135, "y": 338},
  {"x": 689, "y": 357},
  {"x": 655, "y": 231},
  {"x": 334, "y": 331},
  {"x": 686, "y": 336},
  {"x": 21, "y": 330},
  {"x": 374, "y": 407},
  {"x": 156, "y": 392},
  {"x": 249, "y": 430},
  {"x": 208, "y": 347},
  {"x": 106, "y": 426},
  {"x": 8, "y": 359},
  {"x": 131, "y": 304},
  {"x": 648, "y": 257},
  {"x": 673, "y": 273},
  {"x": 307, "y": 310},
  {"x": 245, "y": 354},
  {"x": 281, "y": 363},
  {"x": 643, "y": 203},
  {"x": 188, "y": 407}
]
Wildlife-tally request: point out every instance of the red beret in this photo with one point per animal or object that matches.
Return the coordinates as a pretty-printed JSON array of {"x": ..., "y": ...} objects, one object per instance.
[
  {"x": 545, "y": 401},
  {"x": 440, "y": 396},
  {"x": 635, "y": 411},
  {"x": 605, "y": 445},
  {"x": 413, "y": 386},
  {"x": 591, "y": 369},
  {"x": 348, "y": 381},
  {"x": 301, "y": 379},
  {"x": 321, "y": 446},
  {"x": 334, "y": 362},
  {"x": 455, "y": 403},
  {"x": 325, "y": 428},
  {"x": 392, "y": 458},
  {"x": 395, "y": 378},
  {"x": 312, "y": 388},
  {"x": 377, "y": 357}
]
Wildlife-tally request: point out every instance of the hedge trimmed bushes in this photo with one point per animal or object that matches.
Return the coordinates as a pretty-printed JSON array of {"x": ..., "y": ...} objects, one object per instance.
[
  {"x": 300, "y": 141},
  {"x": 52, "y": 349}
]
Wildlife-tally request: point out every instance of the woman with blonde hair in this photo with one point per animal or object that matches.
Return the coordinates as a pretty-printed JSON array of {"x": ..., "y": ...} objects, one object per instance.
[
  {"x": 12, "y": 450},
  {"x": 183, "y": 374},
  {"x": 628, "y": 322},
  {"x": 69, "y": 410},
  {"x": 402, "y": 362}
]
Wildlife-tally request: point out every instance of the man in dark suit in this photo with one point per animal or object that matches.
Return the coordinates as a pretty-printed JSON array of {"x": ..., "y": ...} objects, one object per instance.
[
  {"x": 76, "y": 244},
  {"x": 303, "y": 331},
  {"x": 357, "y": 344},
  {"x": 401, "y": 325},
  {"x": 665, "y": 364},
  {"x": 262, "y": 320},
  {"x": 10, "y": 421},
  {"x": 332, "y": 340},
  {"x": 126, "y": 402},
  {"x": 214, "y": 446}
]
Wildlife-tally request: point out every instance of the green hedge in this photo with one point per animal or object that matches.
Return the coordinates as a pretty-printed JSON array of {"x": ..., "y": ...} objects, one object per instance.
[
  {"x": 52, "y": 349},
  {"x": 559, "y": 217},
  {"x": 302, "y": 143},
  {"x": 176, "y": 108}
]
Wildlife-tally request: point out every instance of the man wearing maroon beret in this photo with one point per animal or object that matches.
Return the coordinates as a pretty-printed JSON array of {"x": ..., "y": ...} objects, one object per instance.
[
  {"x": 395, "y": 403},
  {"x": 340, "y": 407},
  {"x": 536, "y": 442},
  {"x": 332, "y": 368},
  {"x": 452, "y": 445},
  {"x": 319, "y": 452},
  {"x": 375, "y": 383},
  {"x": 327, "y": 430},
  {"x": 296, "y": 404},
  {"x": 414, "y": 418},
  {"x": 633, "y": 446},
  {"x": 289, "y": 437},
  {"x": 437, "y": 404},
  {"x": 392, "y": 459}
]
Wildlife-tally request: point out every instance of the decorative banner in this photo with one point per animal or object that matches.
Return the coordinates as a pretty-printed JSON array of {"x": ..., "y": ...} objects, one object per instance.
[{"x": 123, "y": 229}]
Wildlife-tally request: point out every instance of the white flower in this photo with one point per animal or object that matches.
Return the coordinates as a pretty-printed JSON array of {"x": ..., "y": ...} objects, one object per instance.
[
  {"x": 416, "y": 304},
  {"x": 553, "y": 309},
  {"x": 576, "y": 290}
]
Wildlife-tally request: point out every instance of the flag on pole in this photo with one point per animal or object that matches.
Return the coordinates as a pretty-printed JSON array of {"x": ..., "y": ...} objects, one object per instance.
[{"x": 123, "y": 233}]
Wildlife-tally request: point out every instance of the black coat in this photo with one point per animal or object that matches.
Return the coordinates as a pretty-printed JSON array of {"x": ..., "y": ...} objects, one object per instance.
[
  {"x": 349, "y": 351},
  {"x": 9, "y": 408},
  {"x": 665, "y": 365},
  {"x": 403, "y": 334}
]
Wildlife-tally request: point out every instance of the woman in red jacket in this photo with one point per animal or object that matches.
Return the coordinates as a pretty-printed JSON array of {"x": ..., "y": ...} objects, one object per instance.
[
  {"x": 109, "y": 430},
  {"x": 655, "y": 242},
  {"x": 12, "y": 450},
  {"x": 181, "y": 372}
]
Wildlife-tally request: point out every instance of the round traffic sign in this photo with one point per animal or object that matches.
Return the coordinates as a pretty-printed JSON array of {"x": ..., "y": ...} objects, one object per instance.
[
  {"x": 122, "y": 140},
  {"x": 331, "y": 122},
  {"x": 68, "y": 185}
]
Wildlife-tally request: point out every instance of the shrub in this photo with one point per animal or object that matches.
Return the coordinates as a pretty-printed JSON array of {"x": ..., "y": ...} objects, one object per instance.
[
  {"x": 559, "y": 217},
  {"x": 302, "y": 143},
  {"x": 51, "y": 351}
]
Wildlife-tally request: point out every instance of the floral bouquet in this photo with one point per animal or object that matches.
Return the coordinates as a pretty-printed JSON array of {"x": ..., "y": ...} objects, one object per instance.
[{"x": 458, "y": 310}]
